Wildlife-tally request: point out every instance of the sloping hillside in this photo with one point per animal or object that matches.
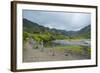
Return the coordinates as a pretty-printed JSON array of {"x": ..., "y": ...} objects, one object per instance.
[{"x": 32, "y": 27}]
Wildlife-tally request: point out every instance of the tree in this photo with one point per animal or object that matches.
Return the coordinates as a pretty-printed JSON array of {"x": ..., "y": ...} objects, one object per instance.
[{"x": 43, "y": 39}]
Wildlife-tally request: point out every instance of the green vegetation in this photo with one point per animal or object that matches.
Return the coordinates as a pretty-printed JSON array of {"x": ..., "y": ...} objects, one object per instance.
[
  {"x": 44, "y": 36},
  {"x": 85, "y": 32},
  {"x": 89, "y": 51},
  {"x": 74, "y": 49},
  {"x": 25, "y": 36},
  {"x": 41, "y": 33}
]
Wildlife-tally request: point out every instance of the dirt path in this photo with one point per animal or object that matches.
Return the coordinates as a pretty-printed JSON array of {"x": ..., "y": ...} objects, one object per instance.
[{"x": 36, "y": 55}]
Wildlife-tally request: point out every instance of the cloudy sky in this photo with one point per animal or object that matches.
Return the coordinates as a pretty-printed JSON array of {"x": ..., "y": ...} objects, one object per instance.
[{"x": 60, "y": 20}]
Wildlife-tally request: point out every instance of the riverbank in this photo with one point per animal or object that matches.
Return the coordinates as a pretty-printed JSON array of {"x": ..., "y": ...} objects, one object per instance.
[{"x": 31, "y": 54}]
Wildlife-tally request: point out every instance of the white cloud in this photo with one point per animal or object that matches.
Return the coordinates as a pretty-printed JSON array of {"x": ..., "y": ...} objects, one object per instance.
[{"x": 59, "y": 20}]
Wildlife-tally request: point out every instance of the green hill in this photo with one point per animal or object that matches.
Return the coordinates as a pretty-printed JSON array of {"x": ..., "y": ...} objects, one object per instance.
[
  {"x": 35, "y": 28},
  {"x": 85, "y": 32}
]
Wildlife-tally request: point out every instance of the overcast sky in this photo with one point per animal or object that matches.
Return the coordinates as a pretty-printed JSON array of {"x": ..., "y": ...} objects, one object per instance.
[{"x": 60, "y": 20}]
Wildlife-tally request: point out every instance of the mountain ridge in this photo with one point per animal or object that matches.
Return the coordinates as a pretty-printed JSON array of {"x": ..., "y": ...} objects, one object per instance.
[{"x": 33, "y": 27}]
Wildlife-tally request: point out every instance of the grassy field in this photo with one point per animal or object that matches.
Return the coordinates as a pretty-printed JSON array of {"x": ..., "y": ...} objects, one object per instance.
[{"x": 74, "y": 49}]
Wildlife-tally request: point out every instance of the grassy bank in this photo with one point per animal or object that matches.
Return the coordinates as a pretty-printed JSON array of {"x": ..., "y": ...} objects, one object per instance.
[{"x": 74, "y": 49}]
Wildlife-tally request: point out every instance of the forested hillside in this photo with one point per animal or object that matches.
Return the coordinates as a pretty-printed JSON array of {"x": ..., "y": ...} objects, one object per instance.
[{"x": 35, "y": 28}]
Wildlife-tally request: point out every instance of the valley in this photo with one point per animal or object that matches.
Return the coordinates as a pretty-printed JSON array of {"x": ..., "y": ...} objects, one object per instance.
[{"x": 42, "y": 43}]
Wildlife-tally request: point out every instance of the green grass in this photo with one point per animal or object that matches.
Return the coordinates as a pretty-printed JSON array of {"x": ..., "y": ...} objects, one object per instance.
[
  {"x": 75, "y": 49},
  {"x": 89, "y": 51},
  {"x": 72, "y": 48}
]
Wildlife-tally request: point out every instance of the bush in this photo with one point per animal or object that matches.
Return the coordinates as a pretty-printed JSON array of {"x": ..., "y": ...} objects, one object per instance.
[{"x": 25, "y": 36}]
